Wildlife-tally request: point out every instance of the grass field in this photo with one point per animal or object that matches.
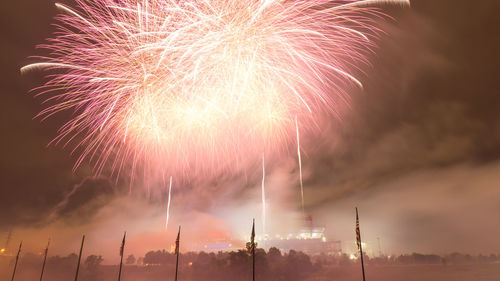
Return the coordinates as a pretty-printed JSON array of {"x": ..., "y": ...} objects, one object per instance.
[
  {"x": 464, "y": 272},
  {"x": 467, "y": 272}
]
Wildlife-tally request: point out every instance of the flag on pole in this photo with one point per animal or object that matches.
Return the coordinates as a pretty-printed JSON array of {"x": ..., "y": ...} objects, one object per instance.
[
  {"x": 44, "y": 259},
  {"x": 358, "y": 235},
  {"x": 17, "y": 259},
  {"x": 122, "y": 248},
  {"x": 252, "y": 247},
  {"x": 252, "y": 236},
  {"x": 123, "y": 245},
  {"x": 47, "y": 248},
  {"x": 360, "y": 245},
  {"x": 177, "y": 251},
  {"x": 177, "y": 241},
  {"x": 79, "y": 258}
]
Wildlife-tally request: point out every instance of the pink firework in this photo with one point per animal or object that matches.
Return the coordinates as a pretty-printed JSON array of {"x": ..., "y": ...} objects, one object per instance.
[{"x": 196, "y": 87}]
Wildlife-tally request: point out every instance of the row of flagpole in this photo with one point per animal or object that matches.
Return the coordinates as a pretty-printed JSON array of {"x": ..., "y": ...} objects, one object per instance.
[
  {"x": 122, "y": 249},
  {"x": 43, "y": 264},
  {"x": 177, "y": 253}
]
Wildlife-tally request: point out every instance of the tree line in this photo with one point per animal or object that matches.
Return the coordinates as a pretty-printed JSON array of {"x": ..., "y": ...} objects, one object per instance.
[{"x": 228, "y": 266}]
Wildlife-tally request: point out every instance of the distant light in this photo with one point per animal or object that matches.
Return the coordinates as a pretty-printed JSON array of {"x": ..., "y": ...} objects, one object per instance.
[
  {"x": 352, "y": 257},
  {"x": 217, "y": 245},
  {"x": 363, "y": 244}
]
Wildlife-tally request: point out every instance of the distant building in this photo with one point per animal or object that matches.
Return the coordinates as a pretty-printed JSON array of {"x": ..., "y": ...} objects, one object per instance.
[
  {"x": 226, "y": 244},
  {"x": 219, "y": 247},
  {"x": 310, "y": 240}
]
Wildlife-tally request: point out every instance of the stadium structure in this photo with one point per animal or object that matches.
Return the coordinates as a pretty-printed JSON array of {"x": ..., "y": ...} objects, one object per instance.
[{"x": 310, "y": 240}]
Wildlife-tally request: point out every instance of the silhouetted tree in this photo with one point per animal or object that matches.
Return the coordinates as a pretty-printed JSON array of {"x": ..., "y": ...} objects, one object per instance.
[
  {"x": 274, "y": 254},
  {"x": 344, "y": 260},
  {"x": 158, "y": 257},
  {"x": 93, "y": 262},
  {"x": 130, "y": 259},
  {"x": 230, "y": 266},
  {"x": 297, "y": 265},
  {"x": 248, "y": 246}
]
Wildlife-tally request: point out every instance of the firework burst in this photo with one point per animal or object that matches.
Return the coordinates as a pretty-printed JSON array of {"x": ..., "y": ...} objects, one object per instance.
[{"x": 201, "y": 86}]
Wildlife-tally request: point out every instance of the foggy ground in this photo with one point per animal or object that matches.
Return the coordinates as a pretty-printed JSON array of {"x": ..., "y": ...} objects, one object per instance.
[
  {"x": 474, "y": 272},
  {"x": 436, "y": 272}
]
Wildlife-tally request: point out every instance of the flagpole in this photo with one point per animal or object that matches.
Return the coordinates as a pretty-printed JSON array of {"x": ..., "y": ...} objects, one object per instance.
[
  {"x": 177, "y": 251},
  {"x": 79, "y": 259},
  {"x": 358, "y": 234},
  {"x": 253, "y": 250},
  {"x": 17, "y": 259},
  {"x": 122, "y": 250},
  {"x": 44, "y": 259}
]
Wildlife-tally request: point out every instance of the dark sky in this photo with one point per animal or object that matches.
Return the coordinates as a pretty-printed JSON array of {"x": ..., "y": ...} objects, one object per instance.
[{"x": 418, "y": 151}]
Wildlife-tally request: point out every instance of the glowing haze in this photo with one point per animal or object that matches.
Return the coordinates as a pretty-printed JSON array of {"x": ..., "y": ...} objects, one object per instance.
[{"x": 199, "y": 87}]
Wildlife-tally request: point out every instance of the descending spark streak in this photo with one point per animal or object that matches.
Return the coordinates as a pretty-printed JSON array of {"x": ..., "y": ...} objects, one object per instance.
[
  {"x": 199, "y": 85},
  {"x": 168, "y": 203},
  {"x": 263, "y": 196},
  {"x": 300, "y": 166}
]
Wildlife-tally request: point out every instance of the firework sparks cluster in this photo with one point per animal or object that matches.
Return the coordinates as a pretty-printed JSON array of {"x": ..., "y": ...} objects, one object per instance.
[{"x": 196, "y": 87}]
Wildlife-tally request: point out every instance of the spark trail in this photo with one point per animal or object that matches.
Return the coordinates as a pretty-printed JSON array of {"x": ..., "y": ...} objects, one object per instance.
[
  {"x": 196, "y": 88},
  {"x": 168, "y": 202},
  {"x": 299, "y": 158},
  {"x": 263, "y": 196}
]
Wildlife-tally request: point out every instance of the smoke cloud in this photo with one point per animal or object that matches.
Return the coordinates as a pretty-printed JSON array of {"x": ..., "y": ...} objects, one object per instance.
[{"x": 418, "y": 152}]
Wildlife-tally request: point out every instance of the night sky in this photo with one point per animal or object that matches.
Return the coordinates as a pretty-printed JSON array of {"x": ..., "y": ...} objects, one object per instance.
[{"x": 418, "y": 151}]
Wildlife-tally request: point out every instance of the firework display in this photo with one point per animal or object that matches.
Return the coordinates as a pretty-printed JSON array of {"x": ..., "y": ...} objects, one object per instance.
[{"x": 190, "y": 88}]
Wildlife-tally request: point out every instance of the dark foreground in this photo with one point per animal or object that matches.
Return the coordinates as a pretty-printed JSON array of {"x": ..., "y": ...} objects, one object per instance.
[
  {"x": 472, "y": 272},
  {"x": 29, "y": 270}
]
